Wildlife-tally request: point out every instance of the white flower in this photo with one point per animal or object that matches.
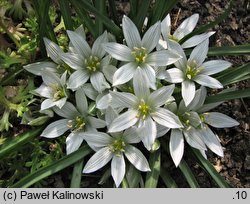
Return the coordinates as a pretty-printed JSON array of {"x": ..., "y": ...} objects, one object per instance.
[
  {"x": 144, "y": 108},
  {"x": 114, "y": 147},
  {"x": 53, "y": 88},
  {"x": 196, "y": 130},
  {"x": 76, "y": 120},
  {"x": 194, "y": 70},
  {"x": 138, "y": 53},
  {"x": 88, "y": 63},
  {"x": 186, "y": 27}
]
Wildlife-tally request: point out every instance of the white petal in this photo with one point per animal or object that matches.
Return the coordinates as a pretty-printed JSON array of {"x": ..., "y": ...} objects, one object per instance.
[
  {"x": 161, "y": 95},
  {"x": 199, "y": 99},
  {"x": 161, "y": 130},
  {"x": 124, "y": 74},
  {"x": 199, "y": 53},
  {"x": 50, "y": 78},
  {"x": 219, "y": 120},
  {"x": 104, "y": 102},
  {"x": 187, "y": 26},
  {"x": 110, "y": 115},
  {"x": 150, "y": 74},
  {"x": 96, "y": 122},
  {"x": 98, "y": 160},
  {"x": 73, "y": 142},
  {"x": 162, "y": 58},
  {"x": 214, "y": 66},
  {"x": 98, "y": 139},
  {"x": 80, "y": 31},
  {"x": 78, "y": 78},
  {"x": 147, "y": 132},
  {"x": 44, "y": 91},
  {"x": 53, "y": 50},
  {"x": 124, "y": 121},
  {"x": 67, "y": 111},
  {"x": 38, "y": 67},
  {"x": 55, "y": 129},
  {"x": 81, "y": 101},
  {"x": 140, "y": 84},
  {"x": 151, "y": 37},
  {"x": 60, "y": 103},
  {"x": 166, "y": 118},
  {"x": 197, "y": 39},
  {"x": 99, "y": 82},
  {"x": 75, "y": 61},
  {"x": 121, "y": 99},
  {"x": 136, "y": 158},
  {"x": 174, "y": 75},
  {"x": 118, "y": 169},
  {"x": 109, "y": 72},
  {"x": 187, "y": 91},
  {"x": 47, "y": 103},
  {"x": 131, "y": 135},
  {"x": 131, "y": 33},
  {"x": 97, "y": 49},
  {"x": 166, "y": 27},
  {"x": 176, "y": 146},
  {"x": 80, "y": 45},
  {"x": 118, "y": 51},
  {"x": 212, "y": 141},
  {"x": 193, "y": 138},
  {"x": 208, "y": 81},
  {"x": 90, "y": 91}
]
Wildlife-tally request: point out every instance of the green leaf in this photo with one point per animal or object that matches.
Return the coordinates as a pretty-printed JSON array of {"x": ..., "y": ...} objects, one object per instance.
[
  {"x": 228, "y": 96},
  {"x": 133, "y": 177},
  {"x": 77, "y": 175},
  {"x": 167, "y": 179},
  {"x": 205, "y": 27},
  {"x": 53, "y": 168},
  {"x": 229, "y": 50},
  {"x": 19, "y": 141},
  {"x": 100, "y": 6},
  {"x": 155, "y": 165},
  {"x": 133, "y": 8},
  {"x": 66, "y": 14},
  {"x": 188, "y": 174},
  {"x": 113, "y": 11},
  {"x": 210, "y": 169},
  {"x": 141, "y": 14}
]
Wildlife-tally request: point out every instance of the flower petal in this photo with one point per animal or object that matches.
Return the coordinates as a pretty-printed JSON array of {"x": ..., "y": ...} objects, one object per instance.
[
  {"x": 47, "y": 103},
  {"x": 150, "y": 74},
  {"x": 131, "y": 33},
  {"x": 166, "y": 118},
  {"x": 124, "y": 121},
  {"x": 109, "y": 72},
  {"x": 187, "y": 26},
  {"x": 55, "y": 129},
  {"x": 53, "y": 50},
  {"x": 174, "y": 75},
  {"x": 193, "y": 138},
  {"x": 73, "y": 142},
  {"x": 97, "y": 49},
  {"x": 81, "y": 101},
  {"x": 98, "y": 160},
  {"x": 208, "y": 81},
  {"x": 38, "y": 67},
  {"x": 176, "y": 146},
  {"x": 197, "y": 39},
  {"x": 75, "y": 61},
  {"x": 214, "y": 66},
  {"x": 187, "y": 91},
  {"x": 121, "y": 99},
  {"x": 140, "y": 84},
  {"x": 151, "y": 37},
  {"x": 97, "y": 139},
  {"x": 60, "y": 103},
  {"x": 199, "y": 99},
  {"x": 90, "y": 91},
  {"x": 118, "y": 51},
  {"x": 110, "y": 115},
  {"x": 124, "y": 74},
  {"x": 136, "y": 158},
  {"x": 44, "y": 91},
  {"x": 162, "y": 58},
  {"x": 118, "y": 169},
  {"x": 99, "y": 82},
  {"x": 78, "y": 78},
  {"x": 161, "y": 95},
  {"x": 79, "y": 43},
  {"x": 219, "y": 120},
  {"x": 104, "y": 102},
  {"x": 50, "y": 78},
  {"x": 131, "y": 135},
  {"x": 161, "y": 130},
  {"x": 166, "y": 27},
  {"x": 212, "y": 141},
  {"x": 199, "y": 53},
  {"x": 96, "y": 122},
  {"x": 67, "y": 111}
]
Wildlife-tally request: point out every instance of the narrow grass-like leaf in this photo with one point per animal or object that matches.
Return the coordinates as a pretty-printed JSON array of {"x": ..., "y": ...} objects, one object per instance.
[
  {"x": 155, "y": 165},
  {"x": 53, "y": 168},
  {"x": 205, "y": 27},
  {"x": 133, "y": 8},
  {"x": 113, "y": 11},
  {"x": 133, "y": 177},
  {"x": 229, "y": 50},
  {"x": 167, "y": 179},
  {"x": 210, "y": 169},
  {"x": 66, "y": 14},
  {"x": 19, "y": 141},
  {"x": 100, "y": 6},
  {"x": 8, "y": 79},
  {"x": 125, "y": 183},
  {"x": 188, "y": 174},
  {"x": 141, "y": 14},
  {"x": 77, "y": 175}
]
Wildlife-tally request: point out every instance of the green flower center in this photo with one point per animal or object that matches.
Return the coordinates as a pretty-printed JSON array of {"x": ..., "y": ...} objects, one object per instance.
[
  {"x": 117, "y": 147},
  {"x": 192, "y": 70},
  {"x": 140, "y": 54},
  {"x": 184, "y": 118},
  {"x": 92, "y": 63},
  {"x": 172, "y": 37},
  {"x": 144, "y": 109},
  {"x": 58, "y": 91},
  {"x": 77, "y": 124}
]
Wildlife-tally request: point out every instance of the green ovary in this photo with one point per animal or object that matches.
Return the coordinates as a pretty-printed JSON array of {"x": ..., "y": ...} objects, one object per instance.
[
  {"x": 92, "y": 63},
  {"x": 172, "y": 37},
  {"x": 58, "y": 92},
  {"x": 77, "y": 124},
  {"x": 143, "y": 109},
  {"x": 139, "y": 54},
  {"x": 117, "y": 147},
  {"x": 192, "y": 70}
]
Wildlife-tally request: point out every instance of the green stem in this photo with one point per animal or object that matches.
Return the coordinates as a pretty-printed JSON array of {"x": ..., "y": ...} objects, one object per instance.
[{"x": 77, "y": 175}]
